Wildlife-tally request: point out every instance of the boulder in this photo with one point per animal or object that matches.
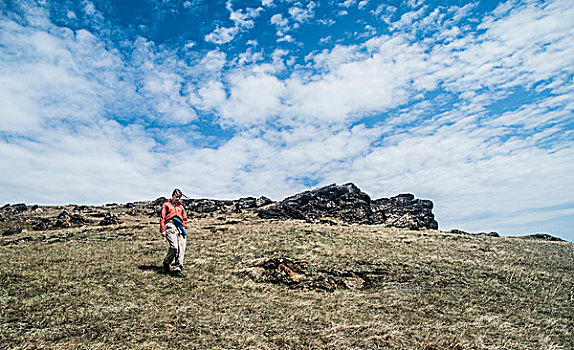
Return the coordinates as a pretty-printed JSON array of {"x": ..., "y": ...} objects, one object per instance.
[
  {"x": 110, "y": 219},
  {"x": 204, "y": 205},
  {"x": 12, "y": 231},
  {"x": 405, "y": 211},
  {"x": 262, "y": 201},
  {"x": 251, "y": 202},
  {"x": 13, "y": 209},
  {"x": 65, "y": 220},
  {"x": 159, "y": 202}
]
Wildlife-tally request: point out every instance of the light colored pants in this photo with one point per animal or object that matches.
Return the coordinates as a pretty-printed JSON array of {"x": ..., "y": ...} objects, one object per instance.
[{"x": 176, "y": 249}]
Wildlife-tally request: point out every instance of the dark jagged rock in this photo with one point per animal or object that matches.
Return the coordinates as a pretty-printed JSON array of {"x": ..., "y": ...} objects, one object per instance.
[
  {"x": 405, "y": 211},
  {"x": 490, "y": 234},
  {"x": 66, "y": 220},
  {"x": 349, "y": 204},
  {"x": 458, "y": 232},
  {"x": 245, "y": 203},
  {"x": 110, "y": 219},
  {"x": 159, "y": 201},
  {"x": 81, "y": 208},
  {"x": 262, "y": 201},
  {"x": 251, "y": 202},
  {"x": 224, "y": 206},
  {"x": 346, "y": 202},
  {"x": 204, "y": 205},
  {"x": 13, "y": 209},
  {"x": 43, "y": 224}
]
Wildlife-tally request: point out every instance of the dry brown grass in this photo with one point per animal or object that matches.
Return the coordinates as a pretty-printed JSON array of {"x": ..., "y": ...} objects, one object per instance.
[{"x": 98, "y": 288}]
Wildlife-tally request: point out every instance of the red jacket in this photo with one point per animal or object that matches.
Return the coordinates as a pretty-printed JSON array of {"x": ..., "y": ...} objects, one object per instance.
[{"x": 168, "y": 211}]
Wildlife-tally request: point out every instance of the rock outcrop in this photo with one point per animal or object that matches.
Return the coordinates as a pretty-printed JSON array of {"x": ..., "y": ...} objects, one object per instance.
[
  {"x": 225, "y": 206},
  {"x": 13, "y": 209},
  {"x": 404, "y": 211},
  {"x": 349, "y": 204}
]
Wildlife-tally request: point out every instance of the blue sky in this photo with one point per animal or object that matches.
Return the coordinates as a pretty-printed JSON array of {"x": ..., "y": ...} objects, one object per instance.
[{"x": 469, "y": 104}]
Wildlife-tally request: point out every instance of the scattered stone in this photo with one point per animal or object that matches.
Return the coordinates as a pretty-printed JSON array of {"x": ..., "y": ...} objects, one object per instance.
[
  {"x": 12, "y": 231},
  {"x": 299, "y": 275}
]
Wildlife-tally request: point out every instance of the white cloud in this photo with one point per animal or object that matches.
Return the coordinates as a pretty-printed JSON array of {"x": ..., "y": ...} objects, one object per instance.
[
  {"x": 222, "y": 35},
  {"x": 347, "y": 3},
  {"x": 245, "y": 107},
  {"x": 286, "y": 38},
  {"x": 280, "y": 22},
  {"x": 363, "y": 3},
  {"x": 242, "y": 20},
  {"x": 301, "y": 15}
]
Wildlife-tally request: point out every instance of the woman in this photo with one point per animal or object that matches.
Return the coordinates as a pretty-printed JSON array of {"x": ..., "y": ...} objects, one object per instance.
[{"x": 173, "y": 224}]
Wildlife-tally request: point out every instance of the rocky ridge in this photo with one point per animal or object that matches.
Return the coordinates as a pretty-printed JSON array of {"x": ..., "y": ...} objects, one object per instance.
[{"x": 332, "y": 204}]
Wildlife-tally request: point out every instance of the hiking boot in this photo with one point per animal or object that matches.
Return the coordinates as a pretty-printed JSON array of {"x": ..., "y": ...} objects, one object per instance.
[
  {"x": 165, "y": 268},
  {"x": 177, "y": 274}
]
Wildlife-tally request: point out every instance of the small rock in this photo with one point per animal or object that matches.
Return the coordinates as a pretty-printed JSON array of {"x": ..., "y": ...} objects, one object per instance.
[
  {"x": 110, "y": 219},
  {"x": 12, "y": 231},
  {"x": 257, "y": 274}
]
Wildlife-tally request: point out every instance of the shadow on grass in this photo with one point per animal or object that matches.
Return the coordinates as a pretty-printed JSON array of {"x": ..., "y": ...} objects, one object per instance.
[{"x": 156, "y": 269}]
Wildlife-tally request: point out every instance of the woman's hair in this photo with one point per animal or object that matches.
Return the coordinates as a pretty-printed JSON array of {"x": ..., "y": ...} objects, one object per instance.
[{"x": 177, "y": 192}]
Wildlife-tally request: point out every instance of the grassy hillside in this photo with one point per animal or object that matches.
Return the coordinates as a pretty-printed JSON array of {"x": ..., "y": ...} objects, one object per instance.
[{"x": 95, "y": 287}]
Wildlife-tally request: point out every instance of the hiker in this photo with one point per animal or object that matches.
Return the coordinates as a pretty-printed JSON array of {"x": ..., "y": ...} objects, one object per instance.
[{"x": 172, "y": 224}]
